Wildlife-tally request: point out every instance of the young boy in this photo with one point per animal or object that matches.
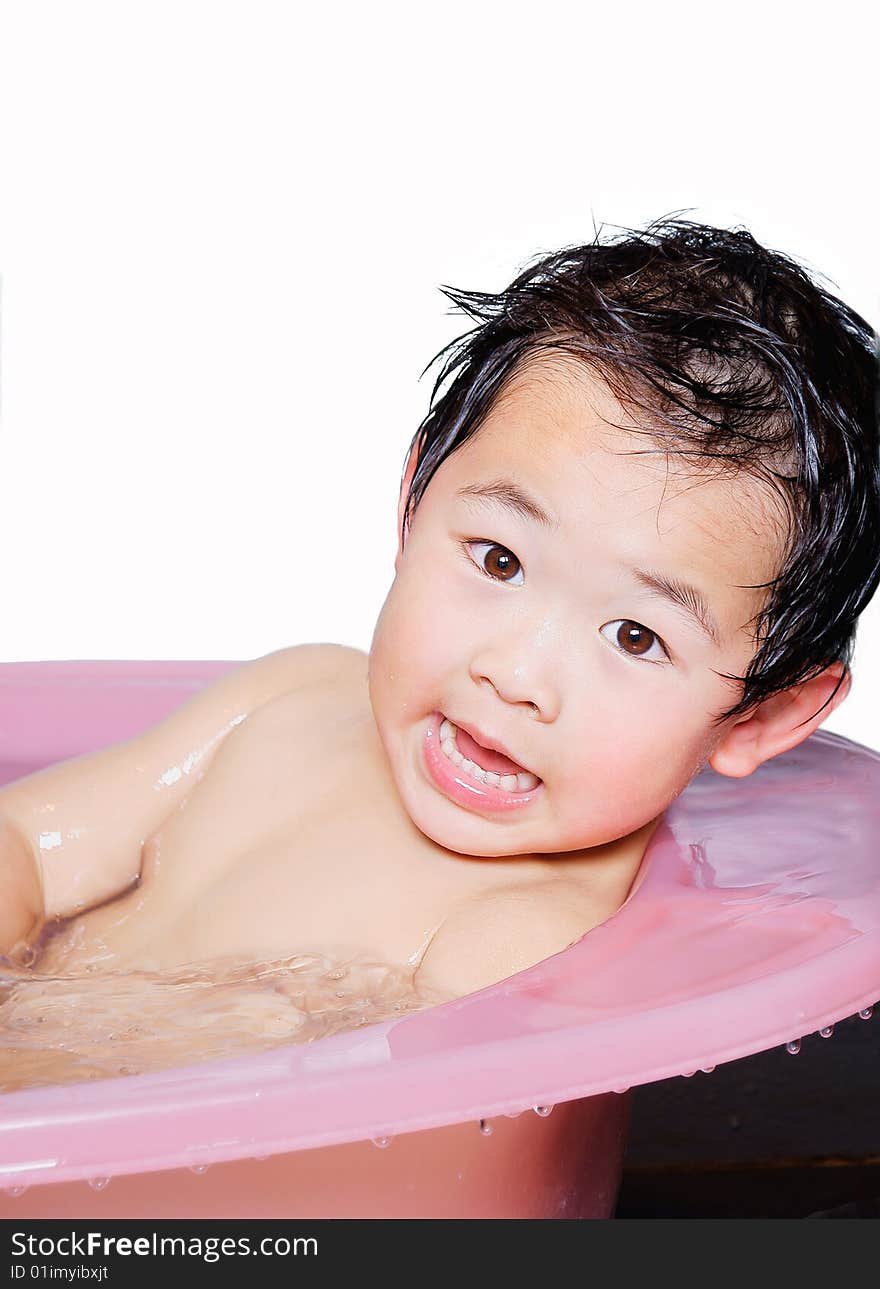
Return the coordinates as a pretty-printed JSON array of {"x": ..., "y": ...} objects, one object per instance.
[{"x": 635, "y": 535}]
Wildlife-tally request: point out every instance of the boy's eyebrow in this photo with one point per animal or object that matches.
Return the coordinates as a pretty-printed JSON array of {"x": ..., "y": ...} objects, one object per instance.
[
  {"x": 688, "y": 598},
  {"x": 512, "y": 497}
]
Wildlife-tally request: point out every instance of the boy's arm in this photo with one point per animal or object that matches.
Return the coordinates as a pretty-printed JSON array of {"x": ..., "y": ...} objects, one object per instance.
[
  {"x": 21, "y": 893},
  {"x": 71, "y": 835}
]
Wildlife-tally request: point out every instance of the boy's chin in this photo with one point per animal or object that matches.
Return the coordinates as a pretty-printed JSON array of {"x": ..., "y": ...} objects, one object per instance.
[
  {"x": 455, "y": 841},
  {"x": 469, "y": 835}
]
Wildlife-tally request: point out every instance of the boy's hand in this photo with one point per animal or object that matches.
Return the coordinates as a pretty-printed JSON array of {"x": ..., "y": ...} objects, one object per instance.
[{"x": 21, "y": 895}]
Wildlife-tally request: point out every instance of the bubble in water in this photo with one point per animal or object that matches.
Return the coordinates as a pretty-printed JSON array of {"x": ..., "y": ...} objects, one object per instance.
[
  {"x": 99, "y": 1183},
  {"x": 542, "y": 1110},
  {"x": 826, "y": 1032},
  {"x": 485, "y": 1128},
  {"x": 337, "y": 973},
  {"x": 15, "y": 1191},
  {"x": 706, "y": 1069},
  {"x": 198, "y": 1169},
  {"x": 381, "y": 1142},
  {"x": 866, "y": 1013},
  {"x": 793, "y": 1047}
]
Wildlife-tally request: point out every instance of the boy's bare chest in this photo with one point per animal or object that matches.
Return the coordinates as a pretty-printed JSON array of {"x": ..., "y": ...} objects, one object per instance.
[{"x": 294, "y": 841}]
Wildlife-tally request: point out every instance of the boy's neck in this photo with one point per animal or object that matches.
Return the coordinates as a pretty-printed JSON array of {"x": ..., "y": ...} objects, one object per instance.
[{"x": 615, "y": 861}]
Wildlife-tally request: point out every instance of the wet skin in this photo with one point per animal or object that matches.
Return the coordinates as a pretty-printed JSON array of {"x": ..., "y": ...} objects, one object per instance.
[{"x": 320, "y": 821}]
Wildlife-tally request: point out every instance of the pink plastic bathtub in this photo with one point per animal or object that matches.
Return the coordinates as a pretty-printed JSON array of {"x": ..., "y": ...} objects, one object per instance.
[{"x": 758, "y": 921}]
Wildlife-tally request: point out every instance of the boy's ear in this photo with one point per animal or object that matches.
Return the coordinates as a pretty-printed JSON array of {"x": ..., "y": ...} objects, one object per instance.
[
  {"x": 775, "y": 726},
  {"x": 409, "y": 470}
]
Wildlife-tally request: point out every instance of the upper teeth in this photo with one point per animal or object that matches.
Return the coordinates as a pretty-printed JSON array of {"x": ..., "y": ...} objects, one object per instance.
[{"x": 522, "y": 782}]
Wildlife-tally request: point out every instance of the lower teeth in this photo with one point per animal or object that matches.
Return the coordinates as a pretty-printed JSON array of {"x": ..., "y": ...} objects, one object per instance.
[{"x": 522, "y": 782}]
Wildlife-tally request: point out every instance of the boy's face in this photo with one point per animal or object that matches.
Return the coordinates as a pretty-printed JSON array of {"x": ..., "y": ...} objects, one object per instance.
[{"x": 540, "y": 639}]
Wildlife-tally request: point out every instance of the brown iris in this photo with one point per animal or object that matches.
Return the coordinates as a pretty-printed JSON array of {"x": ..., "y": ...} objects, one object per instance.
[
  {"x": 634, "y": 638},
  {"x": 501, "y": 563}
]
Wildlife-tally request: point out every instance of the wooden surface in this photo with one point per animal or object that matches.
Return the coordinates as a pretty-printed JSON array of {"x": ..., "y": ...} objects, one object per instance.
[{"x": 771, "y": 1135}]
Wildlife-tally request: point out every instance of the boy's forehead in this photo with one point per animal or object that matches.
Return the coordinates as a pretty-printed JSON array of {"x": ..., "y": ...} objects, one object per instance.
[
  {"x": 559, "y": 389},
  {"x": 558, "y": 432},
  {"x": 557, "y": 421}
]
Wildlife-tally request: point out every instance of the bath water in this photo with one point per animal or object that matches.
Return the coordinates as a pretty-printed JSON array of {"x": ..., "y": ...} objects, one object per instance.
[{"x": 97, "y": 1023}]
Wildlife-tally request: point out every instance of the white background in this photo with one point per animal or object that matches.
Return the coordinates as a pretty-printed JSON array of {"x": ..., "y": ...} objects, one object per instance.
[{"x": 222, "y": 231}]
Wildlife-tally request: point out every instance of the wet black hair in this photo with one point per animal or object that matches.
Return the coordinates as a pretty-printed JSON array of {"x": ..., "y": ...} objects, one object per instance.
[{"x": 729, "y": 355}]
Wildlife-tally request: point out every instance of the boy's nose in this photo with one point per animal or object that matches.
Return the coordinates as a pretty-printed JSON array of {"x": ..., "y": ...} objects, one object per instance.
[{"x": 519, "y": 681}]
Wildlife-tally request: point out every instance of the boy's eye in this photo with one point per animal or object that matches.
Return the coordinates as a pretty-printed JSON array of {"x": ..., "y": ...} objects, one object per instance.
[
  {"x": 498, "y": 562},
  {"x": 635, "y": 640}
]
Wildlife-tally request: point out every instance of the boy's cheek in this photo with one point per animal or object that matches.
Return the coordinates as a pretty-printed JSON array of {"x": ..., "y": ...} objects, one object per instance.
[
  {"x": 410, "y": 644},
  {"x": 416, "y": 623},
  {"x": 646, "y": 765}
]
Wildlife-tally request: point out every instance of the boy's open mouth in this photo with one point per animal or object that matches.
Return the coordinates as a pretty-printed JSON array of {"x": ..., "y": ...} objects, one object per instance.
[{"x": 485, "y": 764}]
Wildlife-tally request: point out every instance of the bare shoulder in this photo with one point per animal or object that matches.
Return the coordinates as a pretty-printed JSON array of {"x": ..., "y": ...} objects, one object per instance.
[
  {"x": 257, "y": 682},
  {"x": 304, "y": 664},
  {"x": 283, "y": 686},
  {"x": 497, "y": 934}
]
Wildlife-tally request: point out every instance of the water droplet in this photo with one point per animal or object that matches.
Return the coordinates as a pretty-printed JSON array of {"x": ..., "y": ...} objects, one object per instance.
[
  {"x": 15, "y": 1191},
  {"x": 485, "y": 1128},
  {"x": 706, "y": 1069},
  {"x": 866, "y": 1013},
  {"x": 99, "y": 1183},
  {"x": 542, "y": 1110},
  {"x": 793, "y": 1047},
  {"x": 513, "y": 1114},
  {"x": 620, "y": 1091},
  {"x": 337, "y": 973},
  {"x": 826, "y": 1032},
  {"x": 27, "y": 956},
  {"x": 198, "y": 1169},
  {"x": 689, "y": 1075},
  {"x": 381, "y": 1142}
]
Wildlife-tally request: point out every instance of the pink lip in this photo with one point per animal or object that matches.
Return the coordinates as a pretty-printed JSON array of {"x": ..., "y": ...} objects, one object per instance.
[
  {"x": 462, "y": 789},
  {"x": 493, "y": 745}
]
